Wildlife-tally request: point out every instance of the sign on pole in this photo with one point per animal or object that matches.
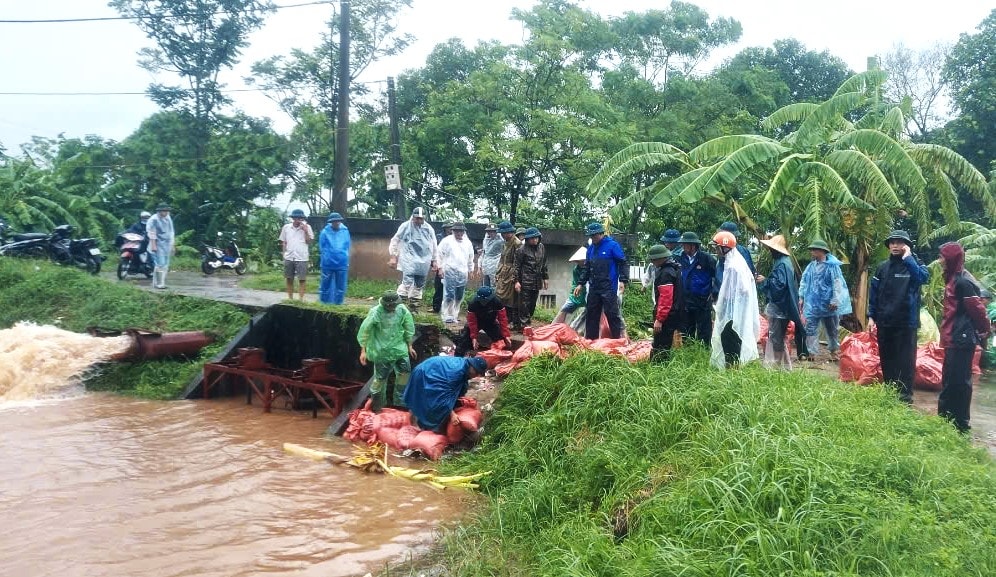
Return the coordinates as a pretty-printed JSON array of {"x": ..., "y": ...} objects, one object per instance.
[{"x": 393, "y": 177}]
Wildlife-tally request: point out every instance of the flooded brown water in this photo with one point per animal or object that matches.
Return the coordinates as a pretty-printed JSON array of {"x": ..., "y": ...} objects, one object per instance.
[{"x": 102, "y": 485}]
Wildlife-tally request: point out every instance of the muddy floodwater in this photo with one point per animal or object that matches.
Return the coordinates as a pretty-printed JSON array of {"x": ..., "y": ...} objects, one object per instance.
[{"x": 102, "y": 485}]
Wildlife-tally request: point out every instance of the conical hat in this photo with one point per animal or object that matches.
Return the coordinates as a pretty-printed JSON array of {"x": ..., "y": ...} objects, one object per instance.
[
  {"x": 580, "y": 254},
  {"x": 776, "y": 242}
]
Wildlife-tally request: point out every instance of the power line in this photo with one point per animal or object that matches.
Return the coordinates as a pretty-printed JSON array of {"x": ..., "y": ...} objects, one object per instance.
[{"x": 112, "y": 18}]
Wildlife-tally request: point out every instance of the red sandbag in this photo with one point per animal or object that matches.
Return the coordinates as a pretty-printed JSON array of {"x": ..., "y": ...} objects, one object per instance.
[
  {"x": 609, "y": 346},
  {"x": 430, "y": 444},
  {"x": 530, "y": 349},
  {"x": 929, "y": 367},
  {"x": 859, "y": 359},
  {"x": 454, "y": 430},
  {"x": 389, "y": 436},
  {"x": 557, "y": 332},
  {"x": 361, "y": 426},
  {"x": 468, "y": 402},
  {"x": 406, "y": 435},
  {"x": 391, "y": 418},
  {"x": 470, "y": 418},
  {"x": 604, "y": 331},
  {"x": 494, "y": 356},
  {"x": 506, "y": 368},
  {"x": 638, "y": 351}
]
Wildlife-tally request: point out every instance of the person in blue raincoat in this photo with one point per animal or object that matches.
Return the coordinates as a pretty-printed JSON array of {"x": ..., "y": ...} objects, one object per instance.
[
  {"x": 333, "y": 246},
  {"x": 435, "y": 385},
  {"x": 823, "y": 297}
]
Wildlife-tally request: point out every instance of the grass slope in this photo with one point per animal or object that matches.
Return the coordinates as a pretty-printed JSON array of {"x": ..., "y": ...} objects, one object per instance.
[
  {"x": 610, "y": 469},
  {"x": 47, "y": 294}
]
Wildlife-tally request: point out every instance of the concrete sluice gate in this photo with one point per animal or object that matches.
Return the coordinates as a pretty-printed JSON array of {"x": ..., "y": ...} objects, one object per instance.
[{"x": 297, "y": 358}]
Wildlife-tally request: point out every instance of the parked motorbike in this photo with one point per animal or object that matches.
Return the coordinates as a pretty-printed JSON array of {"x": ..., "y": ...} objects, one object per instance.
[
  {"x": 135, "y": 257},
  {"x": 214, "y": 258},
  {"x": 24, "y": 245},
  {"x": 83, "y": 253}
]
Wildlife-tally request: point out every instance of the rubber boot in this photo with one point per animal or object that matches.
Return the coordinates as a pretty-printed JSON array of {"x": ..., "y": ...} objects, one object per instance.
[
  {"x": 162, "y": 279},
  {"x": 414, "y": 305},
  {"x": 157, "y": 274}
]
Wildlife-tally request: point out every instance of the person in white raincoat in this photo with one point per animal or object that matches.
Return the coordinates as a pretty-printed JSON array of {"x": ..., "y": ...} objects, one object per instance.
[
  {"x": 734, "y": 340},
  {"x": 491, "y": 254},
  {"x": 413, "y": 251},
  {"x": 456, "y": 261}
]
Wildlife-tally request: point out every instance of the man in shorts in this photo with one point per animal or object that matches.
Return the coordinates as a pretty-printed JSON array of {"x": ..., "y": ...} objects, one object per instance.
[{"x": 295, "y": 237}]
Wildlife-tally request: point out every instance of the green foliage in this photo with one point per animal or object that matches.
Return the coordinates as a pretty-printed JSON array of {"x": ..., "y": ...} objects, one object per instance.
[
  {"x": 600, "y": 467},
  {"x": 47, "y": 294},
  {"x": 970, "y": 72}
]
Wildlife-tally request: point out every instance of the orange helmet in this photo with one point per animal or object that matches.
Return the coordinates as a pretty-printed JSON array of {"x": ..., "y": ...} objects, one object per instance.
[{"x": 725, "y": 239}]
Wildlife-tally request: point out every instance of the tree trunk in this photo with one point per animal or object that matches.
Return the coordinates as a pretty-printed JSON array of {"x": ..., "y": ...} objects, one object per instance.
[{"x": 860, "y": 304}]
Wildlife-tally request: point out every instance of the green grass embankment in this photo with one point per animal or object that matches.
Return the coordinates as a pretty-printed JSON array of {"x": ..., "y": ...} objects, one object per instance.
[
  {"x": 46, "y": 294},
  {"x": 602, "y": 468}
]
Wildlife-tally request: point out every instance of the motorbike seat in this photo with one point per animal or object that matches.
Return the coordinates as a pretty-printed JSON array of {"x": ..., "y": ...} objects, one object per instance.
[{"x": 29, "y": 236}]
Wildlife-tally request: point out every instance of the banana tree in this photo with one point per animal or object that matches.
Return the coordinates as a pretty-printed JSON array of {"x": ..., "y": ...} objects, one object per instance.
[{"x": 838, "y": 171}]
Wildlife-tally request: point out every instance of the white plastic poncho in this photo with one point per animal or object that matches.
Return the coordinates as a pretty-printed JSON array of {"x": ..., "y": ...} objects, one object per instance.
[
  {"x": 456, "y": 259},
  {"x": 737, "y": 302},
  {"x": 491, "y": 254},
  {"x": 415, "y": 247}
]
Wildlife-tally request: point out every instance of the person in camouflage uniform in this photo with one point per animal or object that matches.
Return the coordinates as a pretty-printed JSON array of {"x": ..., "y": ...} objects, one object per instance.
[{"x": 505, "y": 275}]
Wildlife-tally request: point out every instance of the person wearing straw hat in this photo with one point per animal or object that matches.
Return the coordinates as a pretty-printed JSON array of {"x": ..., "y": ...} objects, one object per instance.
[
  {"x": 161, "y": 233},
  {"x": 894, "y": 307},
  {"x": 669, "y": 301},
  {"x": 531, "y": 275},
  {"x": 606, "y": 273},
  {"x": 456, "y": 262},
  {"x": 505, "y": 275},
  {"x": 698, "y": 270},
  {"x": 574, "y": 301},
  {"x": 333, "y": 250},
  {"x": 782, "y": 294},
  {"x": 734, "y": 341},
  {"x": 823, "y": 297},
  {"x": 490, "y": 254}
]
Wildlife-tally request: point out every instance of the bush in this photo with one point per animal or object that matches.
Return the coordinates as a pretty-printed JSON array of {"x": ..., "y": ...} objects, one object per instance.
[{"x": 605, "y": 468}]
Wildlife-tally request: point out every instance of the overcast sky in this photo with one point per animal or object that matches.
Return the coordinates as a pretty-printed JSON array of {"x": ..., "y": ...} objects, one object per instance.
[{"x": 101, "y": 56}]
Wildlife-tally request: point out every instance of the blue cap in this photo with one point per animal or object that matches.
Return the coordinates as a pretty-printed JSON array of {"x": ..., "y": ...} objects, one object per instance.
[
  {"x": 505, "y": 226},
  {"x": 297, "y": 213},
  {"x": 479, "y": 364},
  {"x": 729, "y": 227},
  {"x": 594, "y": 228},
  {"x": 485, "y": 292},
  {"x": 335, "y": 217},
  {"x": 671, "y": 235},
  {"x": 532, "y": 232}
]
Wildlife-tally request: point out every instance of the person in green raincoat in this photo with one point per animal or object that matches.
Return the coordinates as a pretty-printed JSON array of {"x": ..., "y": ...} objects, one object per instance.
[{"x": 385, "y": 339}]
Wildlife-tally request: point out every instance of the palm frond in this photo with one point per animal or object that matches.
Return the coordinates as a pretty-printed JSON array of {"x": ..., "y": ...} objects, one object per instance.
[
  {"x": 783, "y": 181},
  {"x": 961, "y": 230},
  {"x": 893, "y": 122},
  {"x": 674, "y": 188},
  {"x": 960, "y": 170},
  {"x": 827, "y": 116},
  {"x": 789, "y": 114},
  {"x": 854, "y": 166},
  {"x": 626, "y": 206},
  {"x": 724, "y": 146},
  {"x": 742, "y": 160},
  {"x": 879, "y": 146},
  {"x": 863, "y": 82},
  {"x": 633, "y": 159}
]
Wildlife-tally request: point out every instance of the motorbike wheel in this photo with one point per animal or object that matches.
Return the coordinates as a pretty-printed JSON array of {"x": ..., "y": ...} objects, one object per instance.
[
  {"x": 123, "y": 267},
  {"x": 206, "y": 268},
  {"x": 148, "y": 272},
  {"x": 93, "y": 265},
  {"x": 241, "y": 268}
]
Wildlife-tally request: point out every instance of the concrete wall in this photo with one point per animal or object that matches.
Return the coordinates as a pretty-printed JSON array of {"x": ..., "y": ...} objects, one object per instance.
[{"x": 371, "y": 238}]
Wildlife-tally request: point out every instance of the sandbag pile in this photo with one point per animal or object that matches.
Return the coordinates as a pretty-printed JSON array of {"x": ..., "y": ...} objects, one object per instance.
[
  {"x": 860, "y": 362},
  {"x": 561, "y": 340},
  {"x": 393, "y": 428}
]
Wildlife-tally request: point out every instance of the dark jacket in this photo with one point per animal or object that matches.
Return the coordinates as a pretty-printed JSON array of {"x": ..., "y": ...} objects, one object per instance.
[
  {"x": 669, "y": 296},
  {"x": 697, "y": 275},
  {"x": 781, "y": 289},
  {"x": 530, "y": 266},
  {"x": 965, "y": 321},
  {"x": 894, "y": 300},
  {"x": 487, "y": 314},
  {"x": 605, "y": 267}
]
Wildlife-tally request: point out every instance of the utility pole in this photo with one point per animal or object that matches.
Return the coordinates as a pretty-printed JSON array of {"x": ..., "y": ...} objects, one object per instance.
[
  {"x": 341, "y": 168},
  {"x": 392, "y": 112}
]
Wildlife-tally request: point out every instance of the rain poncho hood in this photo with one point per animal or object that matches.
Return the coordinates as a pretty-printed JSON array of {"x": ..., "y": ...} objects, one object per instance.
[
  {"x": 822, "y": 284},
  {"x": 333, "y": 246},
  {"x": 386, "y": 335},
  {"x": 491, "y": 254},
  {"x": 736, "y": 302},
  {"x": 415, "y": 247},
  {"x": 433, "y": 389},
  {"x": 456, "y": 258}
]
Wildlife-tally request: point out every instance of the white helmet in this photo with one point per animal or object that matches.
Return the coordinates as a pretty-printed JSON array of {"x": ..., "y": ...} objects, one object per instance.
[
  {"x": 144, "y": 215},
  {"x": 418, "y": 213}
]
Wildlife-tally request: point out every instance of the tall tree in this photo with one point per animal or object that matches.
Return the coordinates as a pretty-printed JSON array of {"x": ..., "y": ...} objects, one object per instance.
[
  {"x": 970, "y": 71},
  {"x": 915, "y": 81}
]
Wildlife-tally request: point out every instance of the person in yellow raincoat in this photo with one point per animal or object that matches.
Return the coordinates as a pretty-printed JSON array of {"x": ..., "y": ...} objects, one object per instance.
[
  {"x": 385, "y": 338},
  {"x": 505, "y": 276}
]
